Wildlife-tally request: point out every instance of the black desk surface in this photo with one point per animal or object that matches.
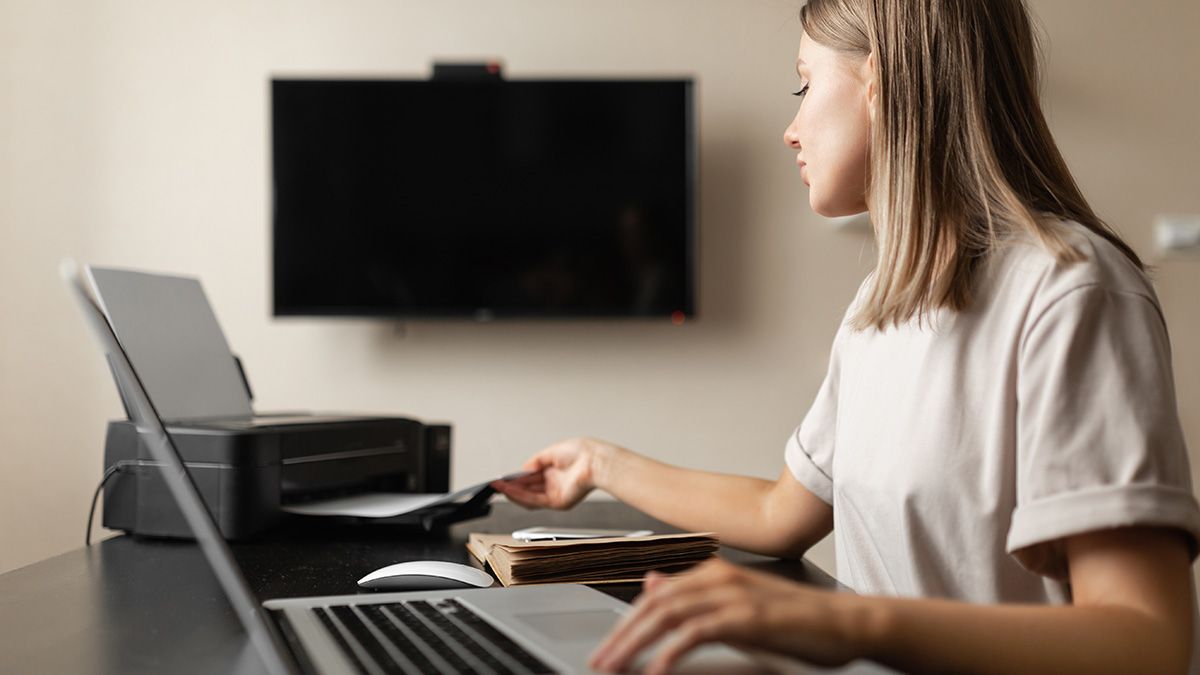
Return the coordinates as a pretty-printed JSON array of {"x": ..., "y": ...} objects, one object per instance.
[{"x": 142, "y": 606}]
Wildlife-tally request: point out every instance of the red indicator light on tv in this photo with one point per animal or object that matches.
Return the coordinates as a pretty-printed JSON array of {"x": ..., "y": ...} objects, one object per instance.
[{"x": 678, "y": 317}]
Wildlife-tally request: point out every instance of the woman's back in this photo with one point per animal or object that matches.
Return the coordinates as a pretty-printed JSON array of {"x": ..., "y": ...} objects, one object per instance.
[{"x": 1045, "y": 409}]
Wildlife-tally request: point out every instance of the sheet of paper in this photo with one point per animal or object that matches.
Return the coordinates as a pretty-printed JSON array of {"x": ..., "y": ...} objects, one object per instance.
[{"x": 388, "y": 504}]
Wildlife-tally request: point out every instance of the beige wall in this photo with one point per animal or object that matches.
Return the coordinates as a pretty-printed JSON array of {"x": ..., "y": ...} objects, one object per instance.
[{"x": 134, "y": 134}]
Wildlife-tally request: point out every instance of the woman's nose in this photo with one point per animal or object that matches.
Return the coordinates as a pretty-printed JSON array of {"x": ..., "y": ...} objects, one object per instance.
[{"x": 790, "y": 137}]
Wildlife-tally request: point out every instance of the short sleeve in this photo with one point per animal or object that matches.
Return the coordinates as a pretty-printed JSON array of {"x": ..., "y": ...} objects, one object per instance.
[
  {"x": 1099, "y": 442},
  {"x": 809, "y": 450}
]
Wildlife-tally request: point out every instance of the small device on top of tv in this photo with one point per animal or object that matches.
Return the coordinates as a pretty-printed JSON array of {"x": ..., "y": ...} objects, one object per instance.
[
  {"x": 490, "y": 70},
  {"x": 484, "y": 198}
]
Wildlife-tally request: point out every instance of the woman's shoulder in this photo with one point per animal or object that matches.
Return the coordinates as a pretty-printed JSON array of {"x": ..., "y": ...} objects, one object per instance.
[{"x": 1026, "y": 266}]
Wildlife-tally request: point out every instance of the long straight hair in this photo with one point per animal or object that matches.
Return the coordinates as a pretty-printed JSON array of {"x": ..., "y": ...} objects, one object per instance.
[{"x": 961, "y": 155}]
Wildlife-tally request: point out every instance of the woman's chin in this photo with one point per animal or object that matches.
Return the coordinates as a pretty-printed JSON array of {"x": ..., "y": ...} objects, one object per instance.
[{"x": 822, "y": 208}]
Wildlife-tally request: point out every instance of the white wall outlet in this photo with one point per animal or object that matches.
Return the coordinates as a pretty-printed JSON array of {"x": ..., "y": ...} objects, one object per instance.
[{"x": 1177, "y": 232}]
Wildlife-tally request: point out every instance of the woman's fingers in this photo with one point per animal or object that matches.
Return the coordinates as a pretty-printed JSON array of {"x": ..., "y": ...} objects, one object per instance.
[
  {"x": 529, "y": 498},
  {"x": 718, "y": 601},
  {"x": 652, "y": 581},
  {"x": 535, "y": 482},
  {"x": 712, "y": 589},
  {"x": 641, "y": 605},
  {"x": 540, "y": 494},
  {"x": 647, "y": 628},
  {"x": 658, "y": 614},
  {"x": 709, "y": 627},
  {"x": 528, "y": 479}
]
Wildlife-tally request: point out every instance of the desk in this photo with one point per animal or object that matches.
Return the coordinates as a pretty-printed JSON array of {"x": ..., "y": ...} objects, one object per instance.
[{"x": 132, "y": 606}]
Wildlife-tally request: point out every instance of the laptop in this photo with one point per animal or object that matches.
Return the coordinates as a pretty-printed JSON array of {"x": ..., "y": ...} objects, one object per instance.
[{"x": 529, "y": 629}]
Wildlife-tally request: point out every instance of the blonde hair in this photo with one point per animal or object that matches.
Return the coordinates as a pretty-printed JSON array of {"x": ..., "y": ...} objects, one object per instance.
[{"x": 961, "y": 156}]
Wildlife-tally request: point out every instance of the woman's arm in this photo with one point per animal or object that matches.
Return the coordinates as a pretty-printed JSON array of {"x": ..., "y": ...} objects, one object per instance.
[
  {"x": 1131, "y": 613},
  {"x": 779, "y": 519}
]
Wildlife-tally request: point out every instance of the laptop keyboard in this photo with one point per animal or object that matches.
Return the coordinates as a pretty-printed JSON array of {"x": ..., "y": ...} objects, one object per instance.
[{"x": 419, "y": 636}]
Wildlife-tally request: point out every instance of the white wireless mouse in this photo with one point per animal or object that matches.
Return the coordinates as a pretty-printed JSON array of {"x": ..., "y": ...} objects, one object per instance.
[{"x": 426, "y": 575}]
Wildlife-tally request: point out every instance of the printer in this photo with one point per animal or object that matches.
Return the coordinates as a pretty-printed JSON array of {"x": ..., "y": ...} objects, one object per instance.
[
  {"x": 247, "y": 471},
  {"x": 247, "y": 467}
]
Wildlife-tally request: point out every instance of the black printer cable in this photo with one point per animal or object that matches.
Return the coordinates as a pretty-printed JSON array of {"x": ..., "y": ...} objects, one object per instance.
[{"x": 108, "y": 473}]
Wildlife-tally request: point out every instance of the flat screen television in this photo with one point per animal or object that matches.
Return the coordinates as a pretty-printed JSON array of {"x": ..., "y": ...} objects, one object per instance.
[{"x": 483, "y": 198}]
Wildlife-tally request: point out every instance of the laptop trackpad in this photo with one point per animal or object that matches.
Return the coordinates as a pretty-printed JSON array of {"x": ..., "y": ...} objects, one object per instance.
[
  {"x": 592, "y": 625},
  {"x": 571, "y": 626}
]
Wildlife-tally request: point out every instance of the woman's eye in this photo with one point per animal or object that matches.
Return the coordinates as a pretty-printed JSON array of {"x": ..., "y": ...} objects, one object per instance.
[{"x": 802, "y": 91}]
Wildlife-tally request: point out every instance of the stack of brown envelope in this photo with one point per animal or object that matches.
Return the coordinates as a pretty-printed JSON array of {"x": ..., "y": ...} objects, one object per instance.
[{"x": 589, "y": 561}]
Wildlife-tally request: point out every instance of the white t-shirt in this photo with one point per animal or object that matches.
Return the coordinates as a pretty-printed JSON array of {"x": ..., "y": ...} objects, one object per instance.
[{"x": 956, "y": 456}]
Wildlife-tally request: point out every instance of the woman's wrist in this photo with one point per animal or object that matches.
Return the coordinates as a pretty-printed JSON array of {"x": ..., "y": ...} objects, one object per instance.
[
  {"x": 865, "y": 623},
  {"x": 602, "y": 456}
]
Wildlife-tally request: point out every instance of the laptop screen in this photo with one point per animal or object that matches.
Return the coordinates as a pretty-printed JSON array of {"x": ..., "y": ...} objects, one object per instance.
[
  {"x": 183, "y": 491},
  {"x": 171, "y": 336}
]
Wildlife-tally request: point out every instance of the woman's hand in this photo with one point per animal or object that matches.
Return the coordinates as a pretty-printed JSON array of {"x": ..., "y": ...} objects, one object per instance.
[
  {"x": 563, "y": 474},
  {"x": 720, "y": 602}
]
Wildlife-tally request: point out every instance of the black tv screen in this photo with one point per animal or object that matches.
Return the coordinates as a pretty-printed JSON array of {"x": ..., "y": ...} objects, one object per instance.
[{"x": 483, "y": 199}]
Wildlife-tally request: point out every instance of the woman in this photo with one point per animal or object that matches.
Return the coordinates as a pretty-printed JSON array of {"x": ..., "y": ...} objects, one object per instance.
[{"x": 996, "y": 445}]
